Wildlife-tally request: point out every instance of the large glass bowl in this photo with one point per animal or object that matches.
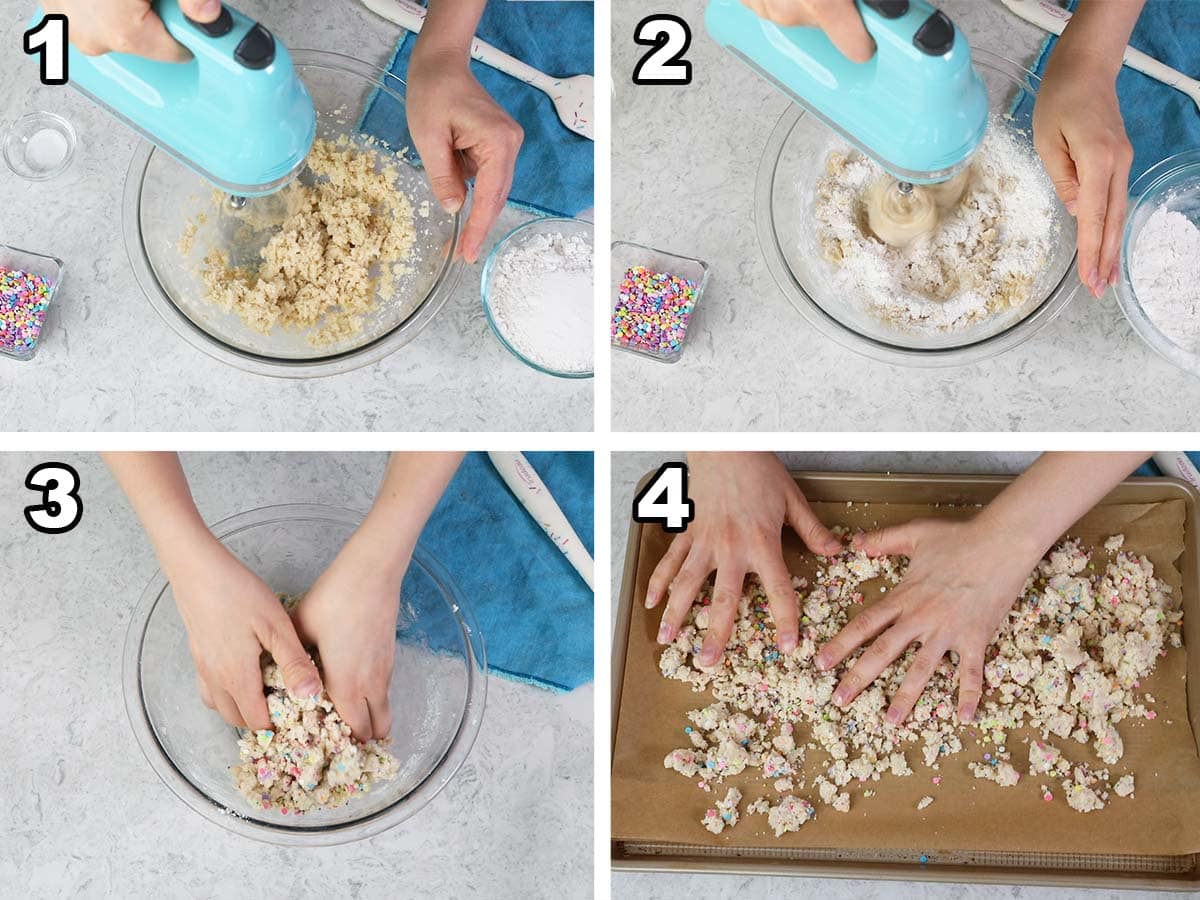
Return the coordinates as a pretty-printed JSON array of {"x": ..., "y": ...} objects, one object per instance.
[
  {"x": 1175, "y": 184},
  {"x": 437, "y": 691},
  {"x": 162, "y": 196},
  {"x": 793, "y": 161}
]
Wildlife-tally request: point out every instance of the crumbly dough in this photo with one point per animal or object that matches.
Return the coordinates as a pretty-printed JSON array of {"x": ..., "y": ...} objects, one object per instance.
[
  {"x": 724, "y": 813},
  {"x": 335, "y": 246},
  {"x": 310, "y": 760},
  {"x": 924, "y": 802},
  {"x": 1066, "y": 662}
]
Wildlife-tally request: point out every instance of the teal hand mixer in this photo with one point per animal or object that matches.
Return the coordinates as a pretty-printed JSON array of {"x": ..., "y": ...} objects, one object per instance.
[
  {"x": 917, "y": 107},
  {"x": 237, "y": 113}
]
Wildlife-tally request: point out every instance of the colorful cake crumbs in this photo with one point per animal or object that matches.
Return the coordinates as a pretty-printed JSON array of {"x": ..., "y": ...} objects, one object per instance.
[
  {"x": 653, "y": 311},
  {"x": 24, "y": 298}
]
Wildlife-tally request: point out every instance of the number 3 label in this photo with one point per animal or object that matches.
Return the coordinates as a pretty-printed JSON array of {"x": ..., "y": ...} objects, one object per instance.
[
  {"x": 61, "y": 507},
  {"x": 670, "y": 37},
  {"x": 664, "y": 501}
]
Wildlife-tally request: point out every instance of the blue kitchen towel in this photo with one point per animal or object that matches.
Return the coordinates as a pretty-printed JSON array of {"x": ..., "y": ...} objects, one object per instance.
[
  {"x": 554, "y": 173},
  {"x": 1159, "y": 120},
  {"x": 1150, "y": 467},
  {"x": 534, "y": 610}
]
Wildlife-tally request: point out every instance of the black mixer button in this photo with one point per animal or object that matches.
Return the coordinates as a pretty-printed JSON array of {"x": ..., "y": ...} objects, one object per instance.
[
  {"x": 936, "y": 35},
  {"x": 257, "y": 49},
  {"x": 889, "y": 9},
  {"x": 218, "y": 27}
]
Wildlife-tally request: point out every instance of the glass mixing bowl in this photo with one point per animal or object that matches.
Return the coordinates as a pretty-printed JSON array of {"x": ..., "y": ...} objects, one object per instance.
[
  {"x": 793, "y": 161},
  {"x": 1175, "y": 184},
  {"x": 437, "y": 692},
  {"x": 162, "y": 196}
]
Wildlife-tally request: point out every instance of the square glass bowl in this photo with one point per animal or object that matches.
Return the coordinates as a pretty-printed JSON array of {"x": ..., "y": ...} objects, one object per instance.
[
  {"x": 21, "y": 333},
  {"x": 624, "y": 257}
]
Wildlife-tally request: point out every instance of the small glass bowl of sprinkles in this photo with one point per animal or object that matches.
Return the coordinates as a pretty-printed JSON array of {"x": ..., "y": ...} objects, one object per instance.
[
  {"x": 655, "y": 297},
  {"x": 28, "y": 282}
]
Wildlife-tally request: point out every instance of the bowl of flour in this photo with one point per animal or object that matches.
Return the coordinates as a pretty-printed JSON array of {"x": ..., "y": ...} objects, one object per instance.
[
  {"x": 538, "y": 295},
  {"x": 998, "y": 266},
  {"x": 1159, "y": 285}
]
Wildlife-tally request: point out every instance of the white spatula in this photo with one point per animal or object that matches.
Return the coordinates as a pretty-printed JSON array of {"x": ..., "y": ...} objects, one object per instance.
[{"x": 573, "y": 97}]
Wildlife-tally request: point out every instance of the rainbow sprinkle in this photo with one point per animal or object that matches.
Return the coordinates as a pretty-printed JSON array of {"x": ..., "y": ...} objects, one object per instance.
[
  {"x": 24, "y": 298},
  {"x": 652, "y": 312}
]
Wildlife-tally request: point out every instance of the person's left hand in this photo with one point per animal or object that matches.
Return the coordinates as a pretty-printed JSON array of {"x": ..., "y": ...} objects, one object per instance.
[
  {"x": 449, "y": 113},
  {"x": 962, "y": 579},
  {"x": 350, "y": 616}
]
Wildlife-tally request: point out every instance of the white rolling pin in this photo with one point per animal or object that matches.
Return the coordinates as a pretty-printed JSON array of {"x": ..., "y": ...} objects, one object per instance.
[
  {"x": 532, "y": 493},
  {"x": 1176, "y": 464},
  {"x": 573, "y": 97},
  {"x": 1053, "y": 18}
]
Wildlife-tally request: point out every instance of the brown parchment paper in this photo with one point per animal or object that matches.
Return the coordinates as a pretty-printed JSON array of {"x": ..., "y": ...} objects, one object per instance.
[{"x": 653, "y": 804}]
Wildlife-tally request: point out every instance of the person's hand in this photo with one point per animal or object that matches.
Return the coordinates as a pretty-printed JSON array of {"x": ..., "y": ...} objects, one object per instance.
[
  {"x": 231, "y": 616},
  {"x": 839, "y": 19},
  {"x": 350, "y": 616},
  {"x": 743, "y": 500},
  {"x": 128, "y": 26},
  {"x": 460, "y": 132},
  {"x": 1080, "y": 135},
  {"x": 962, "y": 579}
]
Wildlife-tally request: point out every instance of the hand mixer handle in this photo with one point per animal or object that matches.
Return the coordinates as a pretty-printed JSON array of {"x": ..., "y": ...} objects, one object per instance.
[
  {"x": 232, "y": 37},
  {"x": 913, "y": 25}
]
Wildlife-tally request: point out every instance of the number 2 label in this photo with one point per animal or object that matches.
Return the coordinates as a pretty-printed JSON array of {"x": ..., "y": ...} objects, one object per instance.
[
  {"x": 48, "y": 39},
  {"x": 664, "y": 501},
  {"x": 670, "y": 37}
]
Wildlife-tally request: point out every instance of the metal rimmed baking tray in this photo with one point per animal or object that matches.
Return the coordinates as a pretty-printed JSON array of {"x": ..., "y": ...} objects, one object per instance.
[{"x": 1031, "y": 865}]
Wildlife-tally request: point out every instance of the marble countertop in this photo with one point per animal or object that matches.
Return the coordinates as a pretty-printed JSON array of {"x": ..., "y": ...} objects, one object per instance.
[
  {"x": 108, "y": 363},
  {"x": 627, "y": 470},
  {"x": 685, "y": 162},
  {"x": 84, "y": 815}
]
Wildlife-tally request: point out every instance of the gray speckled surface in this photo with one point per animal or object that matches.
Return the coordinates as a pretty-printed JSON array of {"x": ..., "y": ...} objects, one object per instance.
[
  {"x": 82, "y": 813},
  {"x": 627, "y": 469},
  {"x": 685, "y": 161},
  {"x": 108, "y": 363}
]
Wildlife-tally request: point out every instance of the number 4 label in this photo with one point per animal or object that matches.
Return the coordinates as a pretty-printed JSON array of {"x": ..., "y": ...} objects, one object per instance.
[
  {"x": 664, "y": 501},
  {"x": 670, "y": 37},
  {"x": 48, "y": 39}
]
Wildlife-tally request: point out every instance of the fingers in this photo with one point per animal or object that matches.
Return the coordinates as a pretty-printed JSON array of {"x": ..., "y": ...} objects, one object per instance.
[
  {"x": 923, "y": 666},
  {"x": 380, "y": 709},
  {"x": 804, "y": 522},
  {"x": 492, "y": 185},
  {"x": 225, "y": 705},
  {"x": 354, "y": 712},
  {"x": 970, "y": 683},
  {"x": 868, "y": 623},
  {"x": 666, "y": 569},
  {"x": 683, "y": 592},
  {"x": 1114, "y": 220},
  {"x": 201, "y": 10},
  {"x": 781, "y": 597},
  {"x": 844, "y": 27},
  {"x": 723, "y": 613},
  {"x": 147, "y": 36},
  {"x": 250, "y": 699},
  {"x": 1104, "y": 173},
  {"x": 898, "y": 540},
  {"x": 299, "y": 673},
  {"x": 1061, "y": 169},
  {"x": 882, "y": 653},
  {"x": 442, "y": 168}
]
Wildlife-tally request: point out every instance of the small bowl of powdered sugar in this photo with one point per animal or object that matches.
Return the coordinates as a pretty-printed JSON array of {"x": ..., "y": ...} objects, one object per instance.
[
  {"x": 1159, "y": 284},
  {"x": 538, "y": 293}
]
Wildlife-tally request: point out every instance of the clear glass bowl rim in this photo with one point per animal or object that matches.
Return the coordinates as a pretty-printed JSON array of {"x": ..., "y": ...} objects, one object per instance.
[
  {"x": 258, "y": 364},
  {"x": 284, "y": 835}
]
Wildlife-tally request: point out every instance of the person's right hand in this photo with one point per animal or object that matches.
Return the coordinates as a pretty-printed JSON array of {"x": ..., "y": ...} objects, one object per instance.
[
  {"x": 743, "y": 500},
  {"x": 128, "y": 26},
  {"x": 231, "y": 616},
  {"x": 839, "y": 19}
]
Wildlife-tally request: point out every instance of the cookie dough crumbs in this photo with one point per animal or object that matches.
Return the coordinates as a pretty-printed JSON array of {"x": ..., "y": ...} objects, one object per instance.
[
  {"x": 790, "y": 815},
  {"x": 1114, "y": 543},
  {"x": 1067, "y": 662},
  {"x": 725, "y": 813},
  {"x": 924, "y": 802},
  {"x": 309, "y": 760},
  {"x": 335, "y": 247},
  {"x": 1124, "y": 786},
  {"x": 759, "y": 807},
  {"x": 984, "y": 247}
]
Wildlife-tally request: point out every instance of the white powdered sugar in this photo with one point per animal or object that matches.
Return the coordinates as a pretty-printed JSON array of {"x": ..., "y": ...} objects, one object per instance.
[
  {"x": 984, "y": 256},
  {"x": 1165, "y": 272},
  {"x": 540, "y": 296}
]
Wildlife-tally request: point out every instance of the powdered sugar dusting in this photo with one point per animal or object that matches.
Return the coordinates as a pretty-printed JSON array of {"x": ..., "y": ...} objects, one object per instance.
[{"x": 1166, "y": 275}]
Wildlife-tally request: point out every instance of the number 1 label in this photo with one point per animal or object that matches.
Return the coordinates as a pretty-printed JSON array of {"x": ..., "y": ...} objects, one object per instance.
[{"x": 48, "y": 39}]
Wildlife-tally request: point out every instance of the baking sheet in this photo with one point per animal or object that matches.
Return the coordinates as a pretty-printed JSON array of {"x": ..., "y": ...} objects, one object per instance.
[{"x": 652, "y": 804}]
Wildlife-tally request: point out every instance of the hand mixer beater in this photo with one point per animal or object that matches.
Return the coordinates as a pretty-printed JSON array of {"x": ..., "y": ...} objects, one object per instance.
[
  {"x": 918, "y": 107},
  {"x": 237, "y": 113}
]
